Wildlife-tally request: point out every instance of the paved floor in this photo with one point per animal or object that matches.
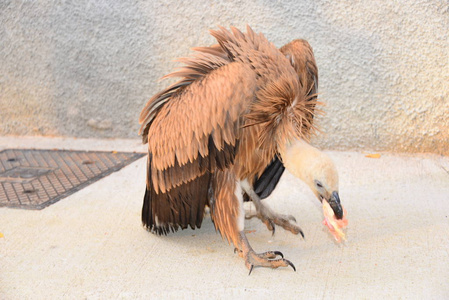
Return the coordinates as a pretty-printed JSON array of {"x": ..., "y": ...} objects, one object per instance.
[{"x": 91, "y": 245}]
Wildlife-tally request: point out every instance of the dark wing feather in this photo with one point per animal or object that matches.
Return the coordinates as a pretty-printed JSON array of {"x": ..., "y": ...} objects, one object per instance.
[
  {"x": 266, "y": 183},
  {"x": 179, "y": 207}
]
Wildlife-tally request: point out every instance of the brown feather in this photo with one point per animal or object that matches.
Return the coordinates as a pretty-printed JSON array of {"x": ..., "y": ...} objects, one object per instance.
[
  {"x": 301, "y": 56},
  {"x": 236, "y": 104},
  {"x": 225, "y": 205}
]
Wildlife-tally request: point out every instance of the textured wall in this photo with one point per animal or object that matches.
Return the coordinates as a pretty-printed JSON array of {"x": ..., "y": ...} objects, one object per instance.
[{"x": 86, "y": 68}]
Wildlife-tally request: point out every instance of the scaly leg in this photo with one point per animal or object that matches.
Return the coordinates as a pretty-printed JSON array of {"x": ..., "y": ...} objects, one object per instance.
[
  {"x": 228, "y": 216},
  {"x": 268, "y": 216}
]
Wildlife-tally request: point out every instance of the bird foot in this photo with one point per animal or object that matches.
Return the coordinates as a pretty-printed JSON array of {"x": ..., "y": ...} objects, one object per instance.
[
  {"x": 267, "y": 259},
  {"x": 271, "y": 218}
]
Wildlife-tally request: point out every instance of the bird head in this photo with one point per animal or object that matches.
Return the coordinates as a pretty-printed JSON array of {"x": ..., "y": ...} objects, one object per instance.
[{"x": 316, "y": 169}]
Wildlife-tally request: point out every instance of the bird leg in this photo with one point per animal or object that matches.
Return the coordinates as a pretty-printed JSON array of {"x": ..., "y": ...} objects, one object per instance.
[
  {"x": 266, "y": 259},
  {"x": 228, "y": 216},
  {"x": 269, "y": 217}
]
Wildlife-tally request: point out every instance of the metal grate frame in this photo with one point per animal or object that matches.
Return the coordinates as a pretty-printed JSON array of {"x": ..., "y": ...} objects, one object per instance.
[{"x": 35, "y": 179}]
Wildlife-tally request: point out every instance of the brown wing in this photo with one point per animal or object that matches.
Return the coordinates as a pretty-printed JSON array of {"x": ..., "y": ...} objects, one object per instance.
[
  {"x": 196, "y": 67},
  {"x": 190, "y": 136}
]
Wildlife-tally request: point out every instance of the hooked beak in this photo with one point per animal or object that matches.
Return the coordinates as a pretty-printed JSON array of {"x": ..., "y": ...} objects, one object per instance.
[{"x": 334, "y": 202}]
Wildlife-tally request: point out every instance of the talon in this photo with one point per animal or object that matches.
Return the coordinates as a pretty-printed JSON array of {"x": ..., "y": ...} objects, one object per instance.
[
  {"x": 270, "y": 255},
  {"x": 270, "y": 225},
  {"x": 290, "y": 264},
  {"x": 279, "y": 253},
  {"x": 251, "y": 269},
  {"x": 265, "y": 259},
  {"x": 271, "y": 219}
]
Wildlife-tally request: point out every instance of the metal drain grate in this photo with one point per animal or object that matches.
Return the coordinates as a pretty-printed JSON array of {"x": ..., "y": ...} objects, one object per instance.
[{"x": 35, "y": 179}]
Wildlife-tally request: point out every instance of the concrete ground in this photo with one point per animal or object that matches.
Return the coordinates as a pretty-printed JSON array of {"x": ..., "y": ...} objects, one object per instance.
[{"x": 91, "y": 245}]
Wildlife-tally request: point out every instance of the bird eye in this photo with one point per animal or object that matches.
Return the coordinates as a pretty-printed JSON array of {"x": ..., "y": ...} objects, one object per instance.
[{"x": 319, "y": 184}]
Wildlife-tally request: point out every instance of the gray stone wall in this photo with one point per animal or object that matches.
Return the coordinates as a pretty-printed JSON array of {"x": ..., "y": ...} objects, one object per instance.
[{"x": 86, "y": 68}]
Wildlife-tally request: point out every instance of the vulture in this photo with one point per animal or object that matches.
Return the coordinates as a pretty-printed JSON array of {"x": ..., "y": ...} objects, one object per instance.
[{"x": 240, "y": 114}]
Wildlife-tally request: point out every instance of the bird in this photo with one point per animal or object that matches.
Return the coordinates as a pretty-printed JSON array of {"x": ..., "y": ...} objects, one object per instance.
[{"x": 241, "y": 113}]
